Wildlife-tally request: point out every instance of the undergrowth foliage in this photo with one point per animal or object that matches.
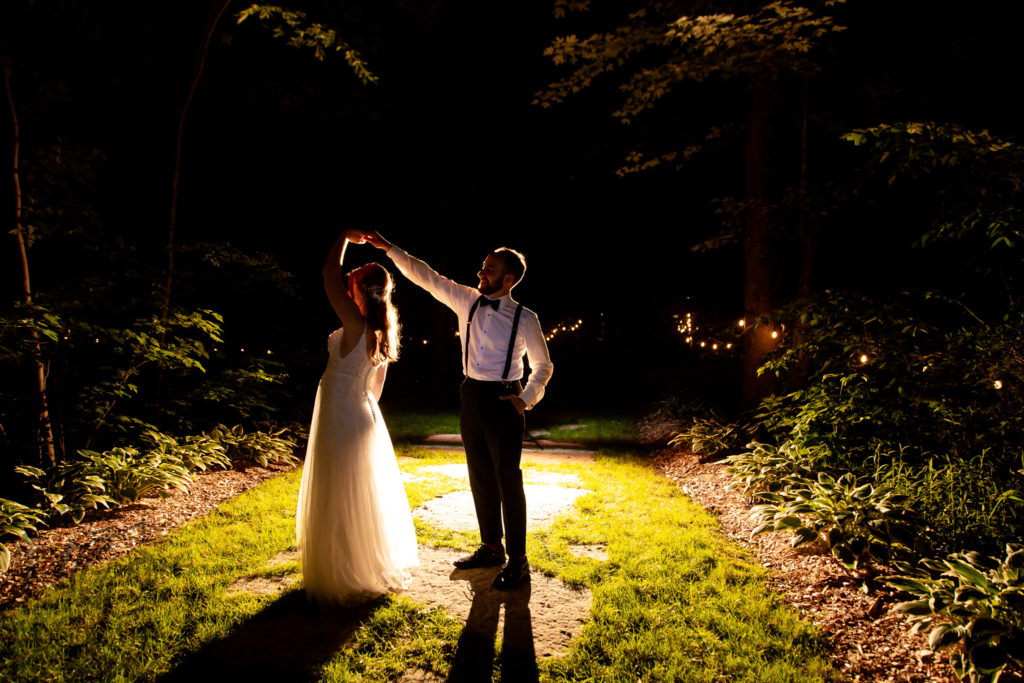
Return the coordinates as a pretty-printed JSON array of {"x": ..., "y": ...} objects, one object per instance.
[
  {"x": 122, "y": 475},
  {"x": 899, "y": 407},
  {"x": 973, "y": 602}
]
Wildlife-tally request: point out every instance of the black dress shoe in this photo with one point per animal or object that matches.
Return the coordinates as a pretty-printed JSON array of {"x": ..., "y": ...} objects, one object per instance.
[
  {"x": 514, "y": 573},
  {"x": 483, "y": 557}
]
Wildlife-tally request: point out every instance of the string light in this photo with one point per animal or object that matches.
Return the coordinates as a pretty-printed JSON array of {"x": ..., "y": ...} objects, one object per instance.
[
  {"x": 775, "y": 335},
  {"x": 562, "y": 328},
  {"x": 863, "y": 358},
  {"x": 998, "y": 384},
  {"x": 742, "y": 323}
]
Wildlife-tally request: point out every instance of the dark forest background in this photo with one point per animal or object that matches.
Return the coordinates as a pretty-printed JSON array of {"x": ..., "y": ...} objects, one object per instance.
[{"x": 463, "y": 141}]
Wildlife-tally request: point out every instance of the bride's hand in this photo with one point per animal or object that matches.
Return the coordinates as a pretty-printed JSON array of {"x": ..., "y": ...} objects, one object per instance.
[{"x": 355, "y": 236}]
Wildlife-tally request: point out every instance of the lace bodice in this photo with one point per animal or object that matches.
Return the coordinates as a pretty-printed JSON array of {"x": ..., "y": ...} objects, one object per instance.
[{"x": 352, "y": 372}]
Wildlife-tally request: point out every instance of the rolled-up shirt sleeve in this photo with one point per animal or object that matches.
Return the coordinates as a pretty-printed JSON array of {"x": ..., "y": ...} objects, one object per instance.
[{"x": 541, "y": 367}]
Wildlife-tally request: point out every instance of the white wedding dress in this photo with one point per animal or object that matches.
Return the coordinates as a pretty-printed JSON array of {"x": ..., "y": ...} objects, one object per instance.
[{"x": 353, "y": 524}]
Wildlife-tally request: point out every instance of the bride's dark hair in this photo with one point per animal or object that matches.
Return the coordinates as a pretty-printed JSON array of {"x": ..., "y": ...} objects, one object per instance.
[{"x": 376, "y": 285}]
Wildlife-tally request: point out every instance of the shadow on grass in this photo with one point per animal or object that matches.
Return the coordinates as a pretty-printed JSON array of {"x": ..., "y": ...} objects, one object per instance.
[
  {"x": 289, "y": 640},
  {"x": 474, "y": 654}
]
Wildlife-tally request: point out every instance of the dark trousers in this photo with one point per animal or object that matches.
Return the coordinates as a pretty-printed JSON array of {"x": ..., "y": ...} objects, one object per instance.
[{"x": 492, "y": 432}]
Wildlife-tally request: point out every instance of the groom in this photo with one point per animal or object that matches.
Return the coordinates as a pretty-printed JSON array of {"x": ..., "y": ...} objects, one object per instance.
[{"x": 496, "y": 333}]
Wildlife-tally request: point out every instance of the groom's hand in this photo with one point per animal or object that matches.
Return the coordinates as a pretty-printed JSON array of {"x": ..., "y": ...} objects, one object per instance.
[
  {"x": 516, "y": 401},
  {"x": 375, "y": 238}
]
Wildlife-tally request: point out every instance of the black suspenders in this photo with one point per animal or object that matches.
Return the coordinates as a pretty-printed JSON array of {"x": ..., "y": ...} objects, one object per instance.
[{"x": 511, "y": 341}]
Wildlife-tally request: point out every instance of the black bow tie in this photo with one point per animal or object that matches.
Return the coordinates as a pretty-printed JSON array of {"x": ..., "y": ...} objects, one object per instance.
[{"x": 493, "y": 303}]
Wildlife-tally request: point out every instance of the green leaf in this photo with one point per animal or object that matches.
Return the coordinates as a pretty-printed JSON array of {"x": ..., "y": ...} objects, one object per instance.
[
  {"x": 802, "y": 536},
  {"x": 908, "y": 584},
  {"x": 985, "y": 628},
  {"x": 942, "y": 636},
  {"x": 967, "y": 571},
  {"x": 914, "y": 608},
  {"x": 987, "y": 658}
]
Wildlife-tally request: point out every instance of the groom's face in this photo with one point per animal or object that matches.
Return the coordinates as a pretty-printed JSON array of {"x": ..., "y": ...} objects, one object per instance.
[{"x": 492, "y": 275}]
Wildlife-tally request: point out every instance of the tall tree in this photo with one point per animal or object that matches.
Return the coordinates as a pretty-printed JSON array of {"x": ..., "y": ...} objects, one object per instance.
[
  {"x": 658, "y": 49},
  {"x": 45, "y": 428}
]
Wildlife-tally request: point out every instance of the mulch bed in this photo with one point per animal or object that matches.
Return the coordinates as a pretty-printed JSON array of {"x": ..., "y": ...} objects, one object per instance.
[{"x": 57, "y": 553}]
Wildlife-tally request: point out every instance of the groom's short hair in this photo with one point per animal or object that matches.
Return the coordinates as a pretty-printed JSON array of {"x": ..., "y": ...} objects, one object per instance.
[{"x": 513, "y": 262}]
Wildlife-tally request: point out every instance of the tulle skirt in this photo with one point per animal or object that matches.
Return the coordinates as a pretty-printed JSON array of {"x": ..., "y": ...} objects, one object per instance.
[{"x": 353, "y": 523}]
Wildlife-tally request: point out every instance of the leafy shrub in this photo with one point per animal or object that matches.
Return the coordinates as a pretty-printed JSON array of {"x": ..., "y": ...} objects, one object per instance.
[
  {"x": 856, "y": 522},
  {"x": 196, "y": 453},
  {"x": 709, "y": 436},
  {"x": 974, "y": 503},
  {"x": 16, "y": 520},
  {"x": 116, "y": 476},
  {"x": 70, "y": 489},
  {"x": 772, "y": 468},
  {"x": 972, "y": 601},
  {"x": 274, "y": 445}
]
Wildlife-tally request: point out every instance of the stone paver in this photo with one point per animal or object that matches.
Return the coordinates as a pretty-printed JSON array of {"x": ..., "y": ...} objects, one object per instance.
[{"x": 455, "y": 510}]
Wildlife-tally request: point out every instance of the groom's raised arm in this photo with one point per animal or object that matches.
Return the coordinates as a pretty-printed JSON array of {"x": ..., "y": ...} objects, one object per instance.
[{"x": 450, "y": 293}]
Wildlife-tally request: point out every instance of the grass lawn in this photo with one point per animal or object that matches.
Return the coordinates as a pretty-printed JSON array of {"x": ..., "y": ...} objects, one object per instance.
[{"x": 674, "y": 601}]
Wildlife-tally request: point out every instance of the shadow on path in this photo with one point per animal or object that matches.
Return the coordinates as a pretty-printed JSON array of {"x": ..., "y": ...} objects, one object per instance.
[
  {"x": 288, "y": 640},
  {"x": 474, "y": 654}
]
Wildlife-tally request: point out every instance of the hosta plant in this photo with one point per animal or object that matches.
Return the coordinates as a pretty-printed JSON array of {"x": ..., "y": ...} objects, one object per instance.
[
  {"x": 856, "y": 522},
  {"x": 69, "y": 489},
  {"x": 196, "y": 453},
  {"x": 263, "y": 448},
  {"x": 771, "y": 468},
  {"x": 16, "y": 520},
  {"x": 709, "y": 436},
  {"x": 971, "y": 602},
  {"x": 116, "y": 476}
]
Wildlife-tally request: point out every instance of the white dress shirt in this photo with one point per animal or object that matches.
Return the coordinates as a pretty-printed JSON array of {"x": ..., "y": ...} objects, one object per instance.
[{"x": 490, "y": 331}]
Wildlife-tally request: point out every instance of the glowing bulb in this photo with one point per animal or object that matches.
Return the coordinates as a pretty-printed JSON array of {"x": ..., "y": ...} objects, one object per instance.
[
  {"x": 714, "y": 347},
  {"x": 775, "y": 335},
  {"x": 998, "y": 384},
  {"x": 426, "y": 341},
  {"x": 241, "y": 350},
  {"x": 689, "y": 339},
  {"x": 269, "y": 352},
  {"x": 924, "y": 369},
  {"x": 702, "y": 345},
  {"x": 728, "y": 346},
  {"x": 863, "y": 358},
  {"x": 742, "y": 322}
]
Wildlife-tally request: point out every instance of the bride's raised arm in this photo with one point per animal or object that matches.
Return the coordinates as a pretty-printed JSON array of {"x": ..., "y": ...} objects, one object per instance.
[{"x": 334, "y": 283}]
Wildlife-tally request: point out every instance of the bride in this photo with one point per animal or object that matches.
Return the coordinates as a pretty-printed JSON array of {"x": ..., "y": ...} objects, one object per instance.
[{"x": 353, "y": 525}]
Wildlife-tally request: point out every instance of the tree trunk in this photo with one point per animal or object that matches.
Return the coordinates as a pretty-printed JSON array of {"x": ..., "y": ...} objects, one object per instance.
[
  {"x": 809, "y": 226},
  {"x": 45, "y": 428},
  {"x": 758, "y": 248},
  {"x": 216, "y": 12}
]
